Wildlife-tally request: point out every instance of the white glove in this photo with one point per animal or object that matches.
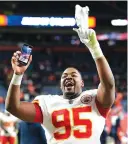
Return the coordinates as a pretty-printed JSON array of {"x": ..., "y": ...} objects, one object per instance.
[
  {"x": 87, "y": 36},
  {"x": 81, "y": 16}
]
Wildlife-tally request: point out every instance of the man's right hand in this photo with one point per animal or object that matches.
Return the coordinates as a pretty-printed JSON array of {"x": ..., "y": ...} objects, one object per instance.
[
  {"x": 23, "y": 110},
  {"x": 19, "y": 69}
]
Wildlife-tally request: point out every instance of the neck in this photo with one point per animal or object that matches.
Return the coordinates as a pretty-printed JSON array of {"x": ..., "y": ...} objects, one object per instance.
[{"x": 71, "y": 95}]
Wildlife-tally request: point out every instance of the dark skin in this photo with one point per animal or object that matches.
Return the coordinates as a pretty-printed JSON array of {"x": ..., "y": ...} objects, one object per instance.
[
  {"x": 26, "y": 110},
  {"x": 71, "y": 83}
]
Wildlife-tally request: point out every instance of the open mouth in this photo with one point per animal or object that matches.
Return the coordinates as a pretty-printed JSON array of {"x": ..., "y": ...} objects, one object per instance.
[{"x": 68, "y": 84}]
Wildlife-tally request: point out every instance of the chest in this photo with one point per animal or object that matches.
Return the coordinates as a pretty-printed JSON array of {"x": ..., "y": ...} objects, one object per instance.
[
  {"x": 70, "y": 110},
  {"x": 70, "y": 113},
  {"x": 75, "y": 120},
  {"x": 72, "y": 119}
]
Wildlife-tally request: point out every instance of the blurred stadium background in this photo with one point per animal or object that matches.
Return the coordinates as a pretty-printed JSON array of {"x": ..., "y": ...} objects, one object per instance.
[{"x": 56, "y": 46}]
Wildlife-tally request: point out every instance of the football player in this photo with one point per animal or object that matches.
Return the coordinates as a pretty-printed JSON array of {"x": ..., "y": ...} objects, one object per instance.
[{"x": 76, "y": 116}]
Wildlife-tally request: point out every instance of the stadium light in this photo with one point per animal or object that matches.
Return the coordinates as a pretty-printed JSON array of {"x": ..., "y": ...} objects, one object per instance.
[
  {"x": 92, "y": 22},
  {"x": 119, "y": 22},
  {"x": 17, "y": 20},
  {"x": 3, "y": 20},
  {"x": 54, "y": 21},
  {"x": 48, "y": 21}
]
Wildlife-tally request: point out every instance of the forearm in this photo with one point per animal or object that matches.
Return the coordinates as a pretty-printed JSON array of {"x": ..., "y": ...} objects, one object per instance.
[
  {"x": 22, "y": 110},
  {"x": 105, "y": 73},
  {"x": 12, "y": 101},
  {"x": 13, "y": 98}
]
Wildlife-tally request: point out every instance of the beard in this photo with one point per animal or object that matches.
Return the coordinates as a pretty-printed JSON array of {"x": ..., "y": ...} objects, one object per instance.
[
  {"x": 71, "y": 95},
  {"x": 69, "y": 92}
]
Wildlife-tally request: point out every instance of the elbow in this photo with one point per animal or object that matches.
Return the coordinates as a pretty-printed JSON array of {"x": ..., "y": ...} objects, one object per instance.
[
  {"x": 10, "y": 108},
  {"x": 7, "y": 107},
  {"x": 110, "y": 84}
]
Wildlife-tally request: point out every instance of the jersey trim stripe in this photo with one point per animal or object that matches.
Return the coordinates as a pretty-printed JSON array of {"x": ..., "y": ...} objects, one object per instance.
[
  {"x": 39, "y": 115},
  {"x": 102, "y": 111}
]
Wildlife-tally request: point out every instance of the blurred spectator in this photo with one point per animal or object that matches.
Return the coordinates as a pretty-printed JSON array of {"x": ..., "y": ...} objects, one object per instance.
[
  {"x": 51, "y": 77},
  {"x": 8, "y": 131},
  {"x": 1, "y": 100},
  {"x": 31, "y": 133},
  {"x": 123, "y": 129},
  {"x": 114, "y": 120}
]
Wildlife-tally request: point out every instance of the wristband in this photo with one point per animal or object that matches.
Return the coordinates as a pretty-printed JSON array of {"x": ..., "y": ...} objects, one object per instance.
[
  {"x": 16, "y": 79},
  {"x": 96, "y": 52}
]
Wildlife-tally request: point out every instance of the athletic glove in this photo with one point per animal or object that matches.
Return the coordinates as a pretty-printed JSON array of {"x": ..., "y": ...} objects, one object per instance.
[{"x": 87, "y": 36}]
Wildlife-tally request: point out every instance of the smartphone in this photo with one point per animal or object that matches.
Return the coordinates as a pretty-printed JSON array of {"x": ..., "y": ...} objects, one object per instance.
[{"x": 26, "y": 51}]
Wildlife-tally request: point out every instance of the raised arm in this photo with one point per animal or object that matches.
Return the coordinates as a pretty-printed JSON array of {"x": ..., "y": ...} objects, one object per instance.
[
  {"x": 23, "y": 110},
  {"x": 106, "y": 88}
]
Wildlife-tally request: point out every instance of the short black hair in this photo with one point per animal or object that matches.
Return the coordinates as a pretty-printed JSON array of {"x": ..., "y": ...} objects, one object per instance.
[{"x": 74, "y": 68}]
